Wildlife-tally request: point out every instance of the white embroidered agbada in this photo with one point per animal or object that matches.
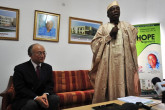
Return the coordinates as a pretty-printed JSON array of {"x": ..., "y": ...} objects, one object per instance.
[{"x": 114, "y": 67}]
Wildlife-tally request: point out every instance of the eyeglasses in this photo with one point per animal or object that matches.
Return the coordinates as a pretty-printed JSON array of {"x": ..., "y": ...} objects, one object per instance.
[{"x": 39, "y": 53}]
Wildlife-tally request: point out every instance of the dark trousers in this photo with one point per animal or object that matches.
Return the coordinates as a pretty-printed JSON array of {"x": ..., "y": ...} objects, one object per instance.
[{"x": 33, "y": 105}]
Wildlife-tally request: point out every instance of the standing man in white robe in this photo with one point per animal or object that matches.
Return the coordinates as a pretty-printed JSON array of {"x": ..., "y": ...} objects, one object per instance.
[{"x": 114, "y": 70}]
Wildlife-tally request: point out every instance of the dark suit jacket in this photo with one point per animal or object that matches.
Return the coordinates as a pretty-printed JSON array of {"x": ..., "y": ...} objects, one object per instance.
[{"x": 28, "y": 86}]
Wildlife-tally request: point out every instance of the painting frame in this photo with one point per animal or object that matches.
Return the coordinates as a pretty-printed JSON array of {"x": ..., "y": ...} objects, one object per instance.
[
  {"x": 89, "y": 28},
  {"x": 46, "y": 26},
  {"x": 9, "y": 23}
]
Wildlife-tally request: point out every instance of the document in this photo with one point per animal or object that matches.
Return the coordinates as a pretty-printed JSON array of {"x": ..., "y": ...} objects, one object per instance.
[{"x": 134, "y": 99}]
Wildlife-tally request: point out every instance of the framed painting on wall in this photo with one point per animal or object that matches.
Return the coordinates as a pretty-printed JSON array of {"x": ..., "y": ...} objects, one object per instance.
[
  {"x": 46, "y": 26},
  {"x": 9, "y": 23},
  {"x": 82, "y": 31}
]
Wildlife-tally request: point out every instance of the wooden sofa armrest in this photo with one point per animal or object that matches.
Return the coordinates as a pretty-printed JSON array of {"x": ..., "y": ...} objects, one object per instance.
[
  {"x": 8, "y": 94},
  {"x": 8, "y": 87}
]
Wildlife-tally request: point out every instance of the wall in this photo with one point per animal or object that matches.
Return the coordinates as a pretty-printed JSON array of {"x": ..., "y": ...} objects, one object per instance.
[{"x": 61, "y": 55}]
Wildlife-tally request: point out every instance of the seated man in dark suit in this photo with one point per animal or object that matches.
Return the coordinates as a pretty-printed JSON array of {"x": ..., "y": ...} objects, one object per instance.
[{"x": 33, "y": 83}]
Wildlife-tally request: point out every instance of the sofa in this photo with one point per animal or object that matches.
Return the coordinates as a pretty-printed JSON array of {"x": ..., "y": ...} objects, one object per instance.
[{"x": 73, "y": 88}]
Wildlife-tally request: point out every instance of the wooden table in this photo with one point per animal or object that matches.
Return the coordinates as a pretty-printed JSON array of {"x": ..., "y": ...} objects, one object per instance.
[{"x": 158, "y": 106}]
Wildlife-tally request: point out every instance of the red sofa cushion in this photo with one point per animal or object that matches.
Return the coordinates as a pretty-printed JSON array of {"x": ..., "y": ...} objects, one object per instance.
[
  {"x": 76, "y": 98},
  {"x": 85, "y": 84},
  {"x": 66, "y": 81}
]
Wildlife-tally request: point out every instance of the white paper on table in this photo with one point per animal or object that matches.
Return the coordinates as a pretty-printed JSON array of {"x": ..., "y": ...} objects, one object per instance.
[{"x": 134, "y": 99}]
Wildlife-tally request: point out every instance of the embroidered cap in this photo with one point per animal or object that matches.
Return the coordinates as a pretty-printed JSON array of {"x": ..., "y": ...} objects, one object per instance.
[{"x": 112, "y": 4}]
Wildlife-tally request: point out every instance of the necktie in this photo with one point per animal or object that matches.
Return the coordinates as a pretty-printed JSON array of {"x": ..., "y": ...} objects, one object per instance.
[{"x": 38, "y": 71}]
